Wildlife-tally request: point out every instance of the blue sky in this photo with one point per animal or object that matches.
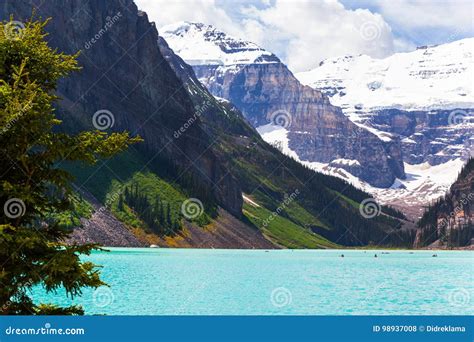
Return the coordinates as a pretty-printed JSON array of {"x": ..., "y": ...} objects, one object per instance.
[
  {"x": 457, "y": 18},
  {"x": 304, "y": 32}
]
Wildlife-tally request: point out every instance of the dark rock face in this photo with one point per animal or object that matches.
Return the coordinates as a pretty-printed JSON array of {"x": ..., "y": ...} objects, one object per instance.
[
  {"x": 237, "y": 131},
  {"x": 450, "y": 221},
  {"x": 124, "y": 72},
  {"x": 318, "y": 131},
  {"x": 429, "y": 136}
]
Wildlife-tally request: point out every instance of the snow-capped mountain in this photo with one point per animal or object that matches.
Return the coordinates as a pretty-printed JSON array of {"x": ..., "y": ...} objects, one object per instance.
[
  {"x": 428, "y": 78},
  {"x": 201, "y": 44},
  {"x": 266, "y": 92},
  {"x": 418, "y": 105},
  {"x": 425, "y": 97}
]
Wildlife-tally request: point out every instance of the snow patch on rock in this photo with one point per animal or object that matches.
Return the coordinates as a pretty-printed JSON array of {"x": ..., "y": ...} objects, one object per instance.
[{"x": 201, "y": 44}]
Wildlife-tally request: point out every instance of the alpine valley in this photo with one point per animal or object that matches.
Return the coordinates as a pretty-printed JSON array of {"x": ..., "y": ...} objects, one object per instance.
[
  {"x": 237, "y": 151},
  {"x": 400, "y": 128}
]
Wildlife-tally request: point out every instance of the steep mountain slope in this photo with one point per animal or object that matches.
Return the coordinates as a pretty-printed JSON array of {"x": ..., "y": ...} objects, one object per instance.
[
  {"x": 251, "y": 158},
  {"x": 195, "y": 147},
  {"x": 450, "y": 221},
  {"x": 424, "y": 98},
  {"x": 266, "y": 92},
  {"x": 143, "y": 97},
  {"x": 124, "y": 73}
]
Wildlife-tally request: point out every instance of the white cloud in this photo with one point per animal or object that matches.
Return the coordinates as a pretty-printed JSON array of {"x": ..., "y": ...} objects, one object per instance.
[
  {"x": 313, "y": 31},
  {"x": 452, "y": 14},
  {"x": 301, "y": 33},
  {"x": 423, "y": 22},
  {"x": 164, "y": 12}
]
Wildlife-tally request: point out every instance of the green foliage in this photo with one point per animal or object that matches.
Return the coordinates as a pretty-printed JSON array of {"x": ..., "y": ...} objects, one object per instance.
[
  {"x": 153, "y": 204},
  {"x": 126, "y": 170},
  {"x": 157, "y": 214},
  {"x": 80, "y": 208},
  {"x": 32, "y": 251},
  {"x": 434, "y": 222},
  {"x": 284, "y": 232},
  {"x": 444, "y": 206},
  {"x": 393, "y": 212}
]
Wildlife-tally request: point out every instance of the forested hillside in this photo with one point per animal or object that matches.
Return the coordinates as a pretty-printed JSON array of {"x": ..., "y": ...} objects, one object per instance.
[
  {"x": 199, "y": 158},
  {"x": 449, "y": 222}
]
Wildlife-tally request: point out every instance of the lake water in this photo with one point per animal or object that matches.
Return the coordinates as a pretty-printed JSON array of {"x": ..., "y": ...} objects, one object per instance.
[{"x": 279, "y": 282}]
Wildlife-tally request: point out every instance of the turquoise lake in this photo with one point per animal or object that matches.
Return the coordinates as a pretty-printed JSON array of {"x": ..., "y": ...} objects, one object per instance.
[{"x": 278, "y": 282}]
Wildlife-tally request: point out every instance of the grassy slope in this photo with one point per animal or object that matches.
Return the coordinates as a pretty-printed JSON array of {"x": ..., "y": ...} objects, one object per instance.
[
  {"x": 107, "y": 181},
  {"x": 284, "y": 232},
  {"x": 263, "y": 173}
]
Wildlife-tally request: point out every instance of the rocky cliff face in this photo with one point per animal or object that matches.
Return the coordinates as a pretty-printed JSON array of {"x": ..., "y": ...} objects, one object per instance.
[
  {"x": 450, "y": 221},
  {"x": 124, "y": 73},
  {"x": 431, "y": 136},
  {"x": 424, "y": 97},
  {"x": 422, "y": 100},
  {"x": 267, "y": 93}
]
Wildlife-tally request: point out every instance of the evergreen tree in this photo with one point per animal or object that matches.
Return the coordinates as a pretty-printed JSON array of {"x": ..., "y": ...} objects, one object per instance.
[
  {"x": 161, "y": 214},
  {"x": 120, "y": 202},
  {"x": 168, "y": 216},
  {"x": 127, "y": 194},
  {"x": 32, "y": 251}
]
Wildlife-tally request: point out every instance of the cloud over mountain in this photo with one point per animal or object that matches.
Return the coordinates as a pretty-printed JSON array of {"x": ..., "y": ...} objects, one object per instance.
[{"x": 303, "y": 34}]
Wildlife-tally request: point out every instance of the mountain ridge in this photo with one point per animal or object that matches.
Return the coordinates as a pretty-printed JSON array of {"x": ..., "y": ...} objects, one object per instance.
[
  {"x": 424, "y": 98},
  {"x": 420, "y": 139},
  {"x": 269, "y": 93},
  {"x": 443, "y": 70},
  {"x": 219, "y": 48}
]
